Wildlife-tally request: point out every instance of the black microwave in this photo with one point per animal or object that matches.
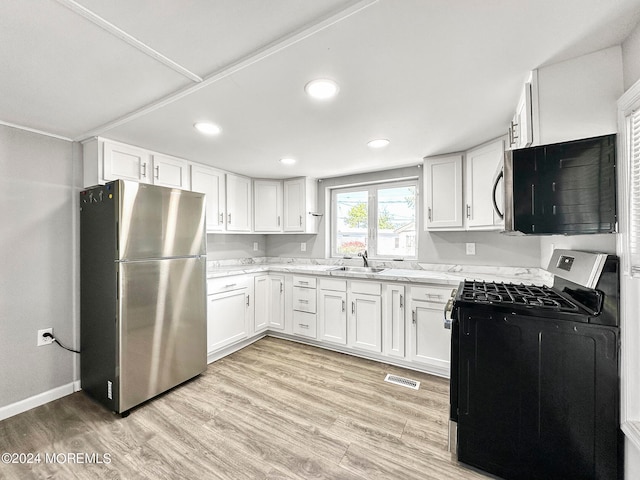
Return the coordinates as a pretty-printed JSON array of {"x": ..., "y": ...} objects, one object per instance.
[{"x": 565, "y": 188}]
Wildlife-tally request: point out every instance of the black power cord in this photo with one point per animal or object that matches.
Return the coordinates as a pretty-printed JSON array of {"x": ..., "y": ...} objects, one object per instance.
[{"x": 48, "y": 335}]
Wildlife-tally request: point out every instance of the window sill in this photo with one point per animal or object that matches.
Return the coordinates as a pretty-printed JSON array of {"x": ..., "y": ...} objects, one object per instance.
[{"x": 631, "y": 430}]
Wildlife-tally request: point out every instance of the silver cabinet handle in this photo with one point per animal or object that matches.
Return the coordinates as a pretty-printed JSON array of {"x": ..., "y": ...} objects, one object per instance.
[
  {"x": 157, "y": 171},
  {"x": 343, "y": 305},
  {"x": 302, "y": 325},
  {"x": 401, "y": 301},
  {"x": 230, "y": 285},
  {"x": 248, "y": 296},
  {"x": 281, "y": 287},
  {"x": 278, "y": 220},
  {"x": 144, "y": 170},
  {"x": 303, "y": 301},
  {"x": 468, "y": 211},
  {"x": 300, "y": 220},
  {"x": 221, "y": 221},
  {"x": 353, "y": 308},
  {"x": 413, "y": 317},
  {"x": 429, "y": 214},
  {"x": 229, "y": 218}
]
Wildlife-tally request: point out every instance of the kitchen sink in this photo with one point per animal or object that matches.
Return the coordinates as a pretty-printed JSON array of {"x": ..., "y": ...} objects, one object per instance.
[{"x": 361, "y": 269}]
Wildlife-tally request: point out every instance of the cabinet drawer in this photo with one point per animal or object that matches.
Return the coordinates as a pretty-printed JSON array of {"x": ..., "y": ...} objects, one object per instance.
[
  {"x": 333, "y": 284},
  {"x": 304, "y": 324},
  {"x": 304, "y": 299},
  {"x": 368, "y": 288},
  {"x": 226, "y": 284},
  {"x": 432, "y": 294},
  {"x": 306, "y": 282}
]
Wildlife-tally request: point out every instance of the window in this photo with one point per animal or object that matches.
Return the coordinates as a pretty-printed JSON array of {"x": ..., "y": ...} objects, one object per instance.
[
  {"x": 379, "y": 218},
  {"x": 633, "y": 149}
]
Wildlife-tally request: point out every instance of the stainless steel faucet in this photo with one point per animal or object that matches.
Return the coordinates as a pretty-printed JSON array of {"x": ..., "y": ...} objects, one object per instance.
[{"x": 364, "y": 258}]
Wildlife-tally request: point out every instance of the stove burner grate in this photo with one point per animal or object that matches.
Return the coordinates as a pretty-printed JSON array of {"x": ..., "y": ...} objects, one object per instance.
[{"x": 512, "y": 294}]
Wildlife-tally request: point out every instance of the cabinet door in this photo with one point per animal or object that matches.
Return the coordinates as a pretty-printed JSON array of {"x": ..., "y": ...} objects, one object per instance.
[
  {"x": 126, "y": 162},
  {"x": 227, "y": 318},
  {"x": 393, "y": 321},
  {"x": 238, "y": 203},
  {"x": 522, "y": 125},
  {"x": 430, "y": 341},
  {"x": 332, "y": 316},
  {"x": 294, "y": 203},
  {"x": 276, "y": 302},
  {"x": 261, "y": 297},
  {"x": 267, "y": 208},
  {"x": 210, "y": 182},
  {"x": 365, "y": 322},
  {"x": 482, "y": 167},
  {"x": 443, "y": 192},
  {"x": 170, "y": 172}
]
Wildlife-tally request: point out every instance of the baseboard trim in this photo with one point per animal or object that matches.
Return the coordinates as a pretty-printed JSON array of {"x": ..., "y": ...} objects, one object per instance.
[{"x": 39, "y": 399}]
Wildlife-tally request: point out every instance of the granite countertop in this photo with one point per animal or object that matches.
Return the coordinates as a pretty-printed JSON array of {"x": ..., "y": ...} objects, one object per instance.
[{"x": 417, "y": 273}]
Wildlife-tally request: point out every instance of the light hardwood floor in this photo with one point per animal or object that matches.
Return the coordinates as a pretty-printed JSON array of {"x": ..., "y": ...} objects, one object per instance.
[{"x": 274, "y": 410}]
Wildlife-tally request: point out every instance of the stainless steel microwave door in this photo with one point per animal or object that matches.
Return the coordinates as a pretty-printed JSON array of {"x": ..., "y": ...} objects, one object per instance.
[
  {"x": 158, "y": 222},
  {"x": 162, "y": 326}
]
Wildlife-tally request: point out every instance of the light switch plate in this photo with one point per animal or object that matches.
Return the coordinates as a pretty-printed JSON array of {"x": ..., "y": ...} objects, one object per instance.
[
  {"x": 255, "y": 246},
  {"x": 303, "y": 247},
  {"x": 471, "y": 248}
]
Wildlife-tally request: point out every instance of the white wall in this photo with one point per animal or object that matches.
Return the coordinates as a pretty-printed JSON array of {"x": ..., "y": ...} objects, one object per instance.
[{"x": 38, "y": 262}]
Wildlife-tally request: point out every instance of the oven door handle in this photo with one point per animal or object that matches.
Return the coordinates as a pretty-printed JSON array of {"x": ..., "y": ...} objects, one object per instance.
[{"x": 448, "y": 308}]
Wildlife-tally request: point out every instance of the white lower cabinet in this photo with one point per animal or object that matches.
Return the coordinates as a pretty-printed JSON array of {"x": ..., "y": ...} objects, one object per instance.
[
  {"x": 332, "y": 311},
  {"x": 276, "y": 302},
  {"x": 269, "y": 302},
  {"x": 430, "y": 342},
  {"x": 229, "y": 311},
  {"x": 365, "y": 316},
  {"x": 393, "y": 320}
]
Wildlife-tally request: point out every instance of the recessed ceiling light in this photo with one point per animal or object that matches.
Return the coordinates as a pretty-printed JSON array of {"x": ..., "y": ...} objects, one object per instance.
[
  {"x": 321, "y": 89},
  {"x": 207, "y": 128},
  {"x": 378, "y": 143},
  {"x": 287, "y": 161}
]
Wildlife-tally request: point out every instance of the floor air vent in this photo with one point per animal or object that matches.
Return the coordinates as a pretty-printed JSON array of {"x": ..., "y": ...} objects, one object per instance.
[{"x": 403, "y": 382}]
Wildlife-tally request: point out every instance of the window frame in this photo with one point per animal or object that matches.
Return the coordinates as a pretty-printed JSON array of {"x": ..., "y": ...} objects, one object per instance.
[{"x": 372, "y": 189}]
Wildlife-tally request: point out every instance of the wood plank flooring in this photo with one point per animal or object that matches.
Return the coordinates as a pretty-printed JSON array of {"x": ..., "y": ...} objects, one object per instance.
[{"x": 274, "y": 410}]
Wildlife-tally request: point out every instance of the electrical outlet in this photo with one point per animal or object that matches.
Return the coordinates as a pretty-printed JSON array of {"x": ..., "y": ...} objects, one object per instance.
[
  {"x": 471, "y": 248},
  {"x": 303, "y": 246},
  {"x": 255, "y": 246},
  {"x": 42, "y": 340}
]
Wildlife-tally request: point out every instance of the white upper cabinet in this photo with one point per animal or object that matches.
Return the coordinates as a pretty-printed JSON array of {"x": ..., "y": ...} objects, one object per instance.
[
  {"x": 125, "y": 162},
  {"x": 521, "y": 128},
  {"x": 170, "y": 172},
  {"x": 238, "y": 203},
  {"x": 300, "y": 200},
  {"x": 210, "y": 181},
  {"x": 443, "y": 192},
  {"x": 268, "y": 206},
  {"x": 483, "y": 187},
  {"x": 106, "y": 160}
]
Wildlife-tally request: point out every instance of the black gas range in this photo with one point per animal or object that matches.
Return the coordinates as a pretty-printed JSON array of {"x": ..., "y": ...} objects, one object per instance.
[{"x": 534, "y": 373}]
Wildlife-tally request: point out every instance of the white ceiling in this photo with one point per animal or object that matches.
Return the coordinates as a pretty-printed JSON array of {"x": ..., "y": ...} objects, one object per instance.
[{"x": 432, "y": 76}]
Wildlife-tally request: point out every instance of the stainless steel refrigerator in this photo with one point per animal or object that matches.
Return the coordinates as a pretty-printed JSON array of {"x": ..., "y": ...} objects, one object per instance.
[{"x": 142, "y": 290}]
